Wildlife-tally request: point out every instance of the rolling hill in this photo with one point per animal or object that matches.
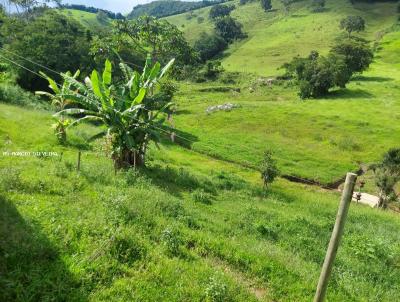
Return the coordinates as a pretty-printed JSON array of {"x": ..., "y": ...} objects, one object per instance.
[
  {"x": 87, "y": 19},
  {"x": 196, "y": 224}
]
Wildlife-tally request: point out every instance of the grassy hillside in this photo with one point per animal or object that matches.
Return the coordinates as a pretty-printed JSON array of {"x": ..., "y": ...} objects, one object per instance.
[
  {"x": 198, "y": 228},
  {"x": 87, "y": 19},
  {"x": 274, "y": 38},
  {"x": 315, "y": 139}
]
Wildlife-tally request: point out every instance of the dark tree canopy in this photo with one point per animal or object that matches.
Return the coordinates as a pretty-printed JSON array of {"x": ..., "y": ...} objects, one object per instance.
[
  {"x": 160, "y": 38},
  {"x": 266, "y": 4},
  {"x": 352, "y": 24},
  {"x": 209, "y": 45},
  {"x": 52, "y": 40},
  {"x": 229, "y": 29},
  {"x": 218, "y": 11},
  {"x": 356, "y": 52}
]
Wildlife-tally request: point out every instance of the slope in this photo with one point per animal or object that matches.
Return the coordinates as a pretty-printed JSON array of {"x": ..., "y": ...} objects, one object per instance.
[
  {"x": 275, "y": 37},
  {"x": 188, "y": 228},
  {"x": 316, "y": 139},
  {"x": 88, "y": 20}
]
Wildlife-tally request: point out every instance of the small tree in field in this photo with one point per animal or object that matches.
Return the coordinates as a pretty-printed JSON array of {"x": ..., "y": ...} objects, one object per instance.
[
  {"x": 269, "y": 169},
  {"x": 356, "y": 53},
  {"x": 127, "y": 111},
  {"x": 60, "y": 103},
  {"x": 387, "y": 175},
  {"x": 352, "y": 24},
  {"x": 266, "y": 5}
]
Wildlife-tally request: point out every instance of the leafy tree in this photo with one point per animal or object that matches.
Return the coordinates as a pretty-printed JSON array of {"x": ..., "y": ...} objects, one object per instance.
[
  {"x": 229, "y": 29},
  {"x": 316, "y": 74},
  {"x": 124, "y": 109},
  {"x": 317, "y": 78},
  {"x": 266, "y": 4},
  {"x": 59, "y": 101},
  {"x": 163, "y": 39},
  {"x": 356, "y": 53},
  {"x": 209, "y": 45},
  {"x": 218, "y": 11},
  {"x": 387, "y": 175},
  {"x": 352, "y": 24},
  {"x": 269, "y": 169},
  {"x": 52, "y": 40}
]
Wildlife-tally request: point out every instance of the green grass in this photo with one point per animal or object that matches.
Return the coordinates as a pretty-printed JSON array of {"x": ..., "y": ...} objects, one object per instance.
[
  {"x": 319, "y": 139},
  {"x": 87, "y": 19},
  {"x": 274, "y": 38},
  {"x": 94, "y": 236},
  {"x": 192, "y": 227}
]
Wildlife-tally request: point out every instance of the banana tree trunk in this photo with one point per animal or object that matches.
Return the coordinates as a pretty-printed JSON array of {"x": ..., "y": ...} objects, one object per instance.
[{"x": 128, "y": 159}]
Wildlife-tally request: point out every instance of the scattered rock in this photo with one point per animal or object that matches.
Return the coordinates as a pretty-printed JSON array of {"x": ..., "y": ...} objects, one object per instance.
[{"x": 224, "y": 107}]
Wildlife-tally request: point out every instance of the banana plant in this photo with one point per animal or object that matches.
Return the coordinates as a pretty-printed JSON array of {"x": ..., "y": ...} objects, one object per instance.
[
  {"x": 121, "y": 108},
  {"x": 59, "y": 102}
]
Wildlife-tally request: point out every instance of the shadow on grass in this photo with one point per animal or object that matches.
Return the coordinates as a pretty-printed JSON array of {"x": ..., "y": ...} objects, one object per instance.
[
  {"x": 30, "y": 267},
  {"x": 348, "y": 94},
  {"x": 176, "y": 181},
  {"x": 361, "y": 78},
  {"x": 182, "y": 111},
  {"x": 181, "y": 138}
]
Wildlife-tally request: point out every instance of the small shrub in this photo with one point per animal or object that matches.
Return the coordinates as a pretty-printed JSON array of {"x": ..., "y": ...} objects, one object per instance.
[
  {"x": 201, "y": 196},
  {"x": 15, "y": 95},
  {"x": 267, "y": 231},
  {"x": 269, "y": 169},
  {"x": 220, "y": 10},
  {"x": 209, "y": 45},
  {"x": 216, "y": 290},
  {"x": 229, "y": 29},
  {"x": 172, "y": 241},
  {"x": 127, "y": 249},
  {"x": 10, "y": 179}
]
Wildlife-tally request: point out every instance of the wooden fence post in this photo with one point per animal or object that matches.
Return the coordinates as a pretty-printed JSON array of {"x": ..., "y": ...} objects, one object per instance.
[
  {"x": 79, "y": 161},
  {"x": 336, "y": 237}
]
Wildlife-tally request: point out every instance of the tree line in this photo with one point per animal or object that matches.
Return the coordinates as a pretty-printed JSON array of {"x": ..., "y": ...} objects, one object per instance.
[{"x": 90, "y": 9}]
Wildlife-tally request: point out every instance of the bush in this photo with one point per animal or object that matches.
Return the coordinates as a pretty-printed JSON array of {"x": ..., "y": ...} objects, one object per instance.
[
  {"x": 201, "y": 196},
  {"x": 15, "y": 95},
  {"x": 316, "y": 74},
  {"x": 217, "y": 290},
  {"x": 352, "y": 24},
  {"x": 209, "y": 45},
  {"x": 266, "y": 4},
  {"x": 220, "y": 10},
  {"x": 356, "y": 53},
  {"x": 269, "y": 169},
  {"x": 318, "y": 6},
  {"x": 229, "y": 29},
  {"x": 172, "y": 241}
]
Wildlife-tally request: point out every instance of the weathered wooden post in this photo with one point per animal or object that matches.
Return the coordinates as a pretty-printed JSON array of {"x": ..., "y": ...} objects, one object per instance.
[
  {"x": 336, "y": 237},
  {"x": 79, "y": 161}
]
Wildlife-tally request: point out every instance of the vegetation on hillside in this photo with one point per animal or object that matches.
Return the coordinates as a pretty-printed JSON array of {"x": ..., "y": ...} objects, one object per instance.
[
  {"x": 180, "y": 185},
  {"x": 161, "y": 9}
]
